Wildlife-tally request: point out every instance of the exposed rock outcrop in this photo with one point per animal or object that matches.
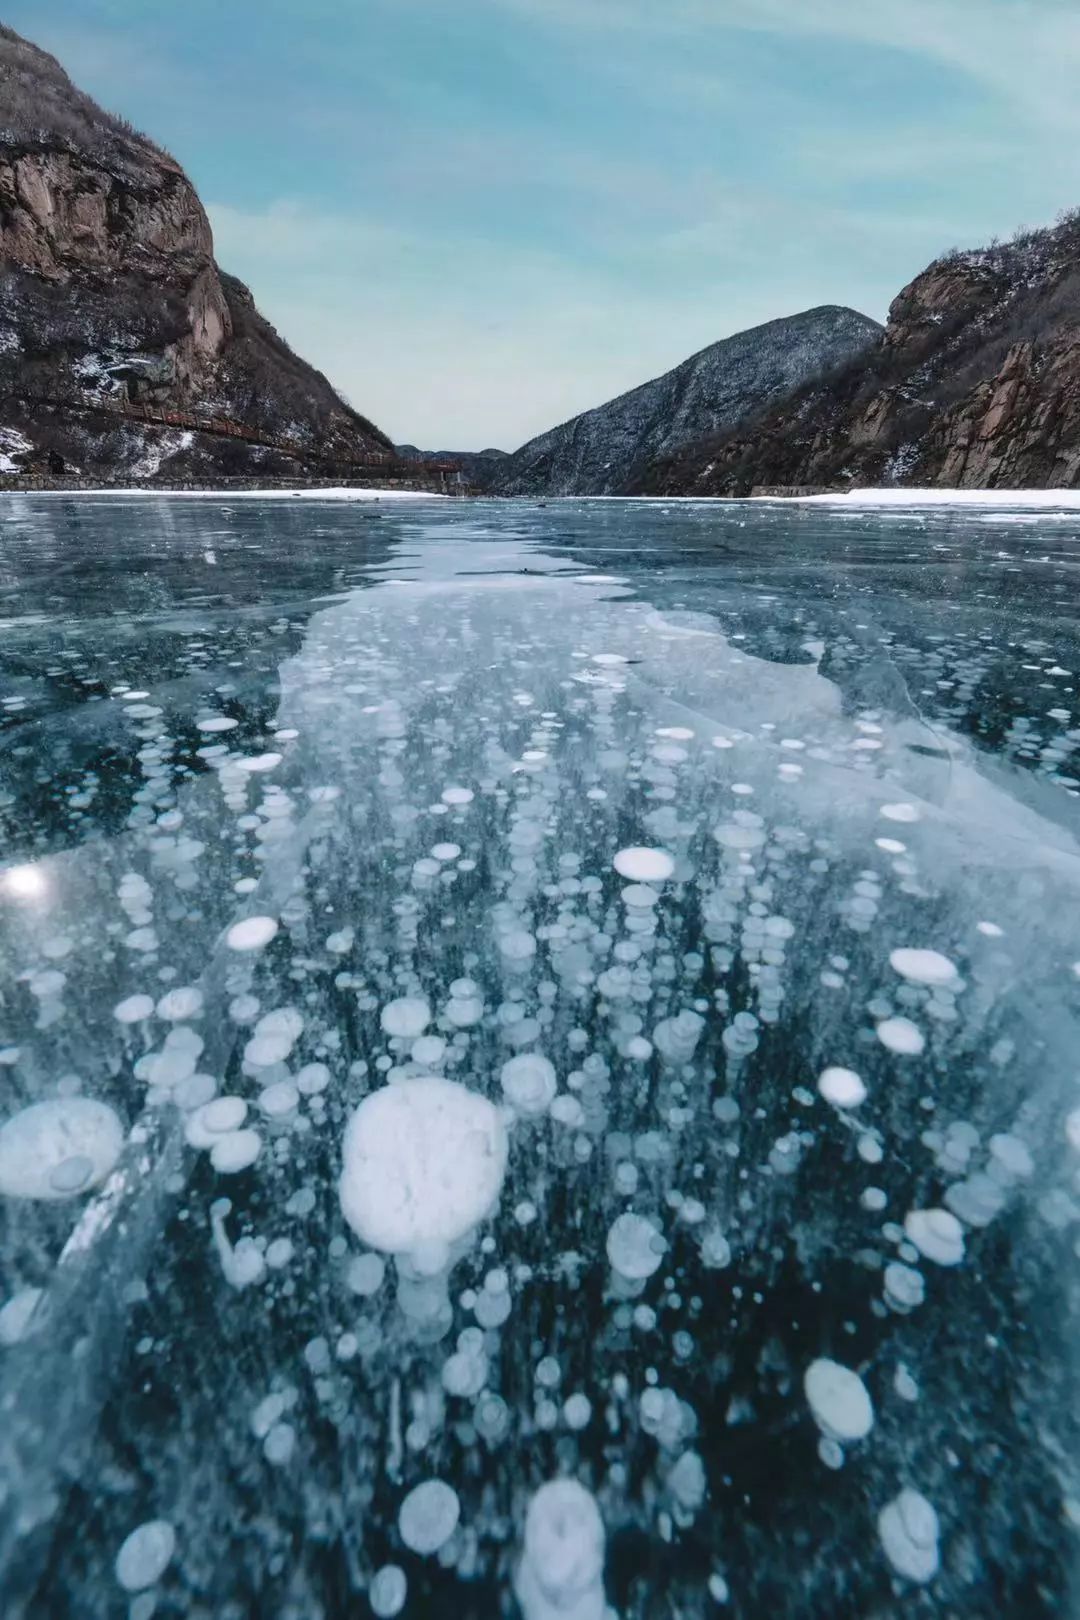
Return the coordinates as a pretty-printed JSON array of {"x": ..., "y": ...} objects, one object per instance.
[
  {"x": 975, "y": 384},
  {"x": 109, "y": 293},
  {"x": 602, "y": 451}
]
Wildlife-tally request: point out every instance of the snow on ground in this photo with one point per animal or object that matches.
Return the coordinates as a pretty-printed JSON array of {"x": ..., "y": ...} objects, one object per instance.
[
  {"x": 263, "y": 494},
  {"x": 1053, "y": 499},
  {"x": 158, "y": 450},
  {"x": 12, "y": 443}
]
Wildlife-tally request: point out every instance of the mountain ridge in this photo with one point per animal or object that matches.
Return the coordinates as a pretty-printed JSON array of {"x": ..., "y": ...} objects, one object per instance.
[
  {"x": 597, "y": 451},
  {"x": 976, "y": 384},
  {"x": 110, "y": 294}
]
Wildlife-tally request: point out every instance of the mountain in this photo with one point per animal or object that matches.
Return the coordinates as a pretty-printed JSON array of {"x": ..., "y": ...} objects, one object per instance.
[
  {"x": 975, "y": 384},
  {"x": 478, "y": 467},
  {"x": 600, "y": 452},
  {"x": 110, "y": 296}
]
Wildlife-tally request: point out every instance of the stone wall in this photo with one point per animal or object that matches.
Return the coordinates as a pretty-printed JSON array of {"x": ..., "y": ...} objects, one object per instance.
[{"x": 29, "y": 482}]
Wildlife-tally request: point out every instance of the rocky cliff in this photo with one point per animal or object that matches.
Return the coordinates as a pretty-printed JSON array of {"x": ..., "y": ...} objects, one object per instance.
[
  {"x": 600, "y": 452},
  {"x": 110, "y": 295},
  {"x": 974, "y": 384}
]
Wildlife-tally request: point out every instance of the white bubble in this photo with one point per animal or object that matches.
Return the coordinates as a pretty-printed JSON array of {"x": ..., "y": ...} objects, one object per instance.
[
  {"x": 184, "y": 1002},
  {"x": 235, "y": 1151},
  {"x": 838, "y": 1400},
  {"x": 219, "y": 722},
  {"x": 635, "y": 1247},
  {"x": 58, "y": 1148},
  {"x": 17, "y": 1314},
  {"x": 423, "y": 1163},
  {"x": 937, "y": 1234},
  {"x": 428, "y": 1517},
  {"x": 529, "y": 1082},
  {"x": 407, "y": 1017},
  {"x": 457, "y": 795},
  {"x": 365, "y": 1274},
  {"x": 923, "y": 967},
  {"x": 134, "y": 1010},
  {"x": 842, "y": 1087},
  {"x": 145, "y": 1555},
  {"x": 279, "y": 1100},
  {"x": 900, "y": 812},
  {"x": 901, "y": 1036},
  {"x": 562, "y": 1566},
  {"x": 388, "y": 1591},
  {"x": 254, "y": 764},
  {"x": 251, "y": 934},
  {"x": 909, "y": 1531},
  {"x": 642, "y": 865}
]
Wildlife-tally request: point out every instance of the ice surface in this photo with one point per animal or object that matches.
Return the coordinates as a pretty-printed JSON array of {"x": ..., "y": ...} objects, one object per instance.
[{"x": 489, "y": 1163}]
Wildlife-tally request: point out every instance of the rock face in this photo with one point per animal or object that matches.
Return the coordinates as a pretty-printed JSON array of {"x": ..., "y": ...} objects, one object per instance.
[
  {"x": 975, "y": 384},
  {"x": 109, "y": 292},
  {"x": 603, "y": 451}
]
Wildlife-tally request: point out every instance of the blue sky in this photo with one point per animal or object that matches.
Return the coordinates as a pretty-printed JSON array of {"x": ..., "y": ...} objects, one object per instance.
[{"x": 481, "y": 216}]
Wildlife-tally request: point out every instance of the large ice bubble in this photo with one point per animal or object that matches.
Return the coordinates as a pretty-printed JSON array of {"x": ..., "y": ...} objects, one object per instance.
[
  {"x": 560, "y": 1576},
  {"x": 59, "y": 1148},
  {"x": 423, "y": 1164}
]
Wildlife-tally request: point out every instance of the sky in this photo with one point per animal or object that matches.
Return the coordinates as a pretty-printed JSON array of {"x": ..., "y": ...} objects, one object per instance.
[{"x": 480, "y": 217}]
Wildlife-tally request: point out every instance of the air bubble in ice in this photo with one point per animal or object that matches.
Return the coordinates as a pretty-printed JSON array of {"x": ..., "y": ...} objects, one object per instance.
[
  {"x": 900, "y": 812},
  {"x": 528, "y": 1082},
  {"x": 642, "y": 865},
  {"x": 635, "y": 1247},
  {"x": 905, "y": 1289},
  {"x": 134, "y": 1009},
  {"x": 909, "y": 1531},
  {"x": 387, "y": 1592},
  {"x": 428, "y": 1517},
  {"x": 38, "y": 1145},
  {"x": 901, "y": 1036},
  {"x": 235, "y": 1151},
  {"x": 423, "y": 1163},
  {"x": 937, "y": 1234},
  {"x": 839, "y": 1400},
  {"x": 560, "y": 1576},
  {"x": 407, "y": 1017},
  {"x": 842, "y": 1087},
  {"x": 252, "y": 934},
  {"x": 17, "y": 1314},
  {"x": 923, "y": 967},
  {"x": 145, "y": 1555}
]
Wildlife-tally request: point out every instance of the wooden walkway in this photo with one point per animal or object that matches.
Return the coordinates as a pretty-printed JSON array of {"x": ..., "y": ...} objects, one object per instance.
[{"x": 384, "y": 463}]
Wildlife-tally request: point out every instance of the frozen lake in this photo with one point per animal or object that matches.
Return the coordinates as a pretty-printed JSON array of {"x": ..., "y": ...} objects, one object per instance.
[{"x": 502, "y": 994}]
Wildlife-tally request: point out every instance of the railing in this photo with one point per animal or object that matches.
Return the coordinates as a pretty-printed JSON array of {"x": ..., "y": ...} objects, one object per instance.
[{"x": 223, "y": 427}]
